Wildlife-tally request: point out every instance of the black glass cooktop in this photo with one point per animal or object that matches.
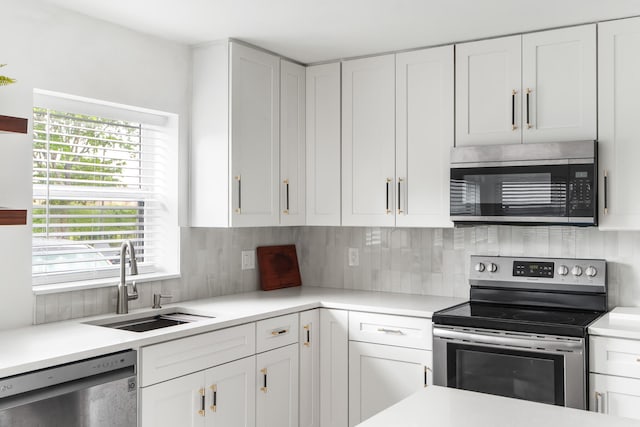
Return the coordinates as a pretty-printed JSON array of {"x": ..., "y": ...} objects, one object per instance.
[{"x": 518, "y": 318}]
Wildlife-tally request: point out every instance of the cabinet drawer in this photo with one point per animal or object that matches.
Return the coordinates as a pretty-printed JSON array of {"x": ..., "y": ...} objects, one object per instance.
[
  {"x": 160, "y": 362},
  {"x": 400, "y": 331},
  {"x": 276, "y": 332},
  {"x": 614, "y": 356}
]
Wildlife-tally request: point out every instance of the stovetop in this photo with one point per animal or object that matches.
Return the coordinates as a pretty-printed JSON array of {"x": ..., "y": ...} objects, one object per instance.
[
  {"x": 539, "y": 320},
  {"x": 550, "y": 296}
]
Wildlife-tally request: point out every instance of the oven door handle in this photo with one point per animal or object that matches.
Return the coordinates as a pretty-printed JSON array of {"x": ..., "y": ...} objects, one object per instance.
[{"x": 525, "y": 343}]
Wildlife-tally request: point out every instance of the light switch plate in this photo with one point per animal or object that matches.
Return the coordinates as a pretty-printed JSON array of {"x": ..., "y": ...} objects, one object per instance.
[
  {"x": 248, "y": 260},
  {"x": 354, "y": 257}
]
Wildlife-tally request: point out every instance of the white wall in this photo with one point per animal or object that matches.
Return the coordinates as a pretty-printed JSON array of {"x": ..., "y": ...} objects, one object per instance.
[{"x": 50, "y": 48}]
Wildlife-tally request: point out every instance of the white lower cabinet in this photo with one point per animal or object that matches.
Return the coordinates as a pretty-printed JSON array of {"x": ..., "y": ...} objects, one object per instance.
[
  {"x": 277, "y": 387},
  {"x": 382, "y": 375},
  {"x": 617, "y": 396},
  {"x": 334, "y": 368},
  {"x": 220, "y": 396},
  {"x": 309, "y": 345}
]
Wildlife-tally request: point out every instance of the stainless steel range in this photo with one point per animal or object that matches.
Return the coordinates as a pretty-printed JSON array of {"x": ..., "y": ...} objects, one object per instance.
[{"x": 523, "y": 334}]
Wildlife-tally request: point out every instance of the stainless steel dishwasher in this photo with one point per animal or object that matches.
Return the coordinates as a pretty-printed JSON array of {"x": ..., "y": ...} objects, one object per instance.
[{"x": 93, "y": 392}]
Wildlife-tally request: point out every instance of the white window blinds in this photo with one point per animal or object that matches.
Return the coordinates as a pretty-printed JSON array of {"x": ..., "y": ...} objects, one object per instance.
[{"x": 96, "y": 182}]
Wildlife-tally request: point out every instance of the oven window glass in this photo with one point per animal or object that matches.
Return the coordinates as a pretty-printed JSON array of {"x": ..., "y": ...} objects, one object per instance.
[
  {"x": 524, "y": 375},
  {"x": 516, "y": 191}
]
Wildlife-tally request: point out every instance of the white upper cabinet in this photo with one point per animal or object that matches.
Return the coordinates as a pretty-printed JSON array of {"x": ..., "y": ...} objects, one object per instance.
[
  {"x": 619, "y": 109},
  {"x": 539, "y": 87},
  {"x": 323, "y": 144},
  {"x": 559, "y": 74},
  {"x": 368, "y": 141},
  {"x": 424, "y": 136},
  {"x": 292, "y": 145},
  {"x": 488, "y": 80},
  {"x": 235, "y": 137},
  {"x": 255, "y": 138}
]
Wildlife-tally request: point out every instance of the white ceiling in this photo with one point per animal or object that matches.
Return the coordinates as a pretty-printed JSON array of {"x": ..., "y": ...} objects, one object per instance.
[{"x": 318, "y": 30}]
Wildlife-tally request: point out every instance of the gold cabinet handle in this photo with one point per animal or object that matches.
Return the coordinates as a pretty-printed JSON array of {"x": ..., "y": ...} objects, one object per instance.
[
  {"x": 214, "y": 403},
  {"x": 391, "y": 331},
  {"x": 279, "y": 332},
  {"x": 286, "y": 186},
  {"x": 239, "y": 179},
  {"x": 388, "y": 210},
  {"x": 201, "y": 410},
  {"x": 529, "y": 125},
  {"x": 426, "y": 369},
  {"x": 264, "y": 381},
  {"x": 513, "y": 109},
  {"x": 307, "y": 328},
  {"x": 400, "y": 181}
]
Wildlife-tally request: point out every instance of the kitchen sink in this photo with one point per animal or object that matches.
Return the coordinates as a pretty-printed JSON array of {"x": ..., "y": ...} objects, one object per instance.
[{"x": 153, "y": 322}]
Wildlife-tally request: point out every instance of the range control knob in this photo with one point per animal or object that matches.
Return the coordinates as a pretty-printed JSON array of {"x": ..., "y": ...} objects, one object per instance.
[
  {"x": 492, "y": 268},
  {"x": 563, "y": 270},
  {"x": 576, "y": 270},
  {"x": 591, "y": 271},
  {"x": 479, "y": 267}
]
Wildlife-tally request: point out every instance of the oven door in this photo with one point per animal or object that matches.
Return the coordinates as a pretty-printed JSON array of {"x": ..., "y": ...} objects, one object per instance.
[
  {"x": 523, "y": 192},
  {"x": 546, "y": 369}
]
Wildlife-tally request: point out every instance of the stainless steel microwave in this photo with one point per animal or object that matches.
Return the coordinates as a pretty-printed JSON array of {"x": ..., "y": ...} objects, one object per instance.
[{"x": 545, "y": 183}]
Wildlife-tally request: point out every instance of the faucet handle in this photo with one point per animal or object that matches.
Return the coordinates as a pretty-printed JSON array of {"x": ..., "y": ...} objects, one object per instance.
[
  {"x": 134, "y": 292},
  {"x": 157, "y": 299}
]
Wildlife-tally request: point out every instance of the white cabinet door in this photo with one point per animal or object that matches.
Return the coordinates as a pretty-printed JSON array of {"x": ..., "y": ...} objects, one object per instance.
[
  {"x": 323, "y": 144},
  {"x": 424, "y": 136},
  {"x": 255, "y": 139},
  {"x": 559, "y": 72},
  {"x": 334, "y": 368},
  {"x": 309, "y": 368},
  {"x": 292, "y": 146},
  {"x": 177, "y": 402},
  {"x": 382, "y": 375},
  {"x": 277, "y": 387},
  {"x": 618, "y": 112},
  {"x": 368, "y": 141},
  {"x": 230, "y": 395},
  {"x": 210, "y": 179},
  {"x": 616, "y": 396},
  {"x": 488, "y": 81}
]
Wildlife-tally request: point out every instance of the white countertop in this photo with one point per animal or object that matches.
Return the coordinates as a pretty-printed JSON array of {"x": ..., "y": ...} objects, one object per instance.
[
  {"x": 36, "y": 347},
  {"x": 447, "y": 407},
  {"x": 621, "y": 322}
]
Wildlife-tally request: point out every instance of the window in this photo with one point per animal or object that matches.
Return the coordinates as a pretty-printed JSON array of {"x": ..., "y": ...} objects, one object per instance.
[{"x": 102, "y": 174}]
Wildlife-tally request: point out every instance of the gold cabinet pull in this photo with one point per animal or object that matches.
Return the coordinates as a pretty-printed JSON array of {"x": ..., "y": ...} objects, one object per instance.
[
  {"x": 286, "y": 185},
  {"x": 264, "y": 383},
  {"x": 279, "y": 332},
  {"x": 513, "y": 109},
  {"x": 307, "y": 328},
  {"x": 426, "y": 369},
  {"x": 529, "y": 125},
  {"x": 239, "y": 179},
  {"x": 202, "y": 403},
  {"x": 214, "y": 403}
]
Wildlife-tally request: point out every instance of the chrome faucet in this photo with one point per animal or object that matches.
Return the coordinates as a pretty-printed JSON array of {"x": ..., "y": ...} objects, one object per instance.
[{"x": 123, "y": 291}]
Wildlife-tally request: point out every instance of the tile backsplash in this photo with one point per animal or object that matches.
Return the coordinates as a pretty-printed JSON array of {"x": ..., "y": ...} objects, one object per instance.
[{"x": 415, "y": 261}]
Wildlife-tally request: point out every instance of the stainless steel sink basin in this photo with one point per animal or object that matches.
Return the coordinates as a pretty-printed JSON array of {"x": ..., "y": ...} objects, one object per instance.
[{"x": 157, "y": 321}]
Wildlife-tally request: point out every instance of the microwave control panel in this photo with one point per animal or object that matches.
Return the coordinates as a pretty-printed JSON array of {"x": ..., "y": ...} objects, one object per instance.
[{"x": 581, "y": 196}]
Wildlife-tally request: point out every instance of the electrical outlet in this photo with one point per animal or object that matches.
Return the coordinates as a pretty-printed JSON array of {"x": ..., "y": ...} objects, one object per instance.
[
  {"x": 248, "y": 260},
  {"x": 354, "y": 257}
]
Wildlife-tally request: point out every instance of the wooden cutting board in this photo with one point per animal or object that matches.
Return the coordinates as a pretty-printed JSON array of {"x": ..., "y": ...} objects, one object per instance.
[{"x": 278, "y": 267}]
